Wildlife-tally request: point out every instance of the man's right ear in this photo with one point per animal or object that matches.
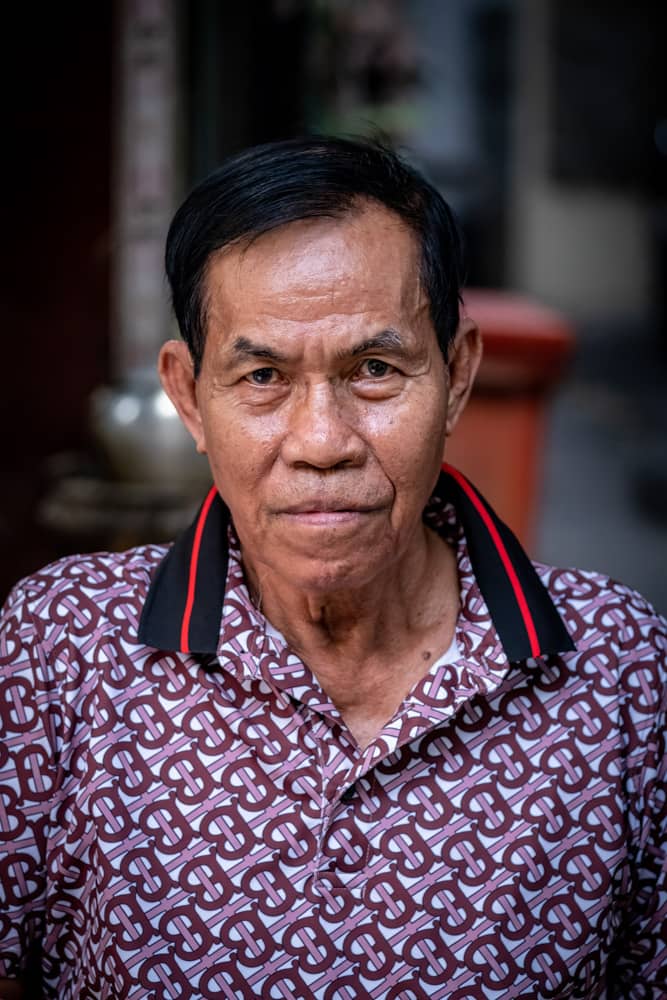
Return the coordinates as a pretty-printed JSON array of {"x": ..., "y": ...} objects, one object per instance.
[{"x": 176, "y": 370}]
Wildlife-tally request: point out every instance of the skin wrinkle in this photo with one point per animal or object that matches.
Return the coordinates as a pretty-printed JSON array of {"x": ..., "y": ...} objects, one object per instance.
[{"x": 361, "y": 591}]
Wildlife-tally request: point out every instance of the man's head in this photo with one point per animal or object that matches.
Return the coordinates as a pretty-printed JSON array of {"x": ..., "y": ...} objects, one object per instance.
[
  {"x": 324, "y": 395},
  {"x": 278, "y": 183}
]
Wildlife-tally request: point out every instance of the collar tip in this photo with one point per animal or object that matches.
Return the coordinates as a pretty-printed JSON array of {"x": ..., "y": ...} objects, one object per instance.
[{"x": 521, "y": 653}]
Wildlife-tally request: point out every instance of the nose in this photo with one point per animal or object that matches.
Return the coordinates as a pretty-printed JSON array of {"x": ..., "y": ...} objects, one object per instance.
[{"x": 320, "y": 433}]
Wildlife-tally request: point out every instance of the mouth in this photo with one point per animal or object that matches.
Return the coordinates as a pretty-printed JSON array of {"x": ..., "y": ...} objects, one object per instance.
[
  {"x": 327, "y": 513},
  {"x": 327, "y": 507}
]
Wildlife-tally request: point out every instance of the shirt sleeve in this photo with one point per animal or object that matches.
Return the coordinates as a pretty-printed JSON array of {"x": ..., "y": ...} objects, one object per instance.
[
  {"x": 640, "y": 972},
  {"x": 28, "y": 777}
]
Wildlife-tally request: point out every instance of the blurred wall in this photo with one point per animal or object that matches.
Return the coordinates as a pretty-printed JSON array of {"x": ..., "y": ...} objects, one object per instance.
[
  {"x": 55, "y": 275},
  {"x": 582, "y": 240}
]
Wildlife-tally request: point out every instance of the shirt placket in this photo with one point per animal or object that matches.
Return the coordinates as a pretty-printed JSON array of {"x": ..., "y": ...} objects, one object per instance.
[{"x": 261, "y": 653}]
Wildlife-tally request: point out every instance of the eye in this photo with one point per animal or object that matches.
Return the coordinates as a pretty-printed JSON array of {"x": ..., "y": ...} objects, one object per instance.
[
  {"x": 374, "y": 368},
  {"x": 261, "y": 376}
]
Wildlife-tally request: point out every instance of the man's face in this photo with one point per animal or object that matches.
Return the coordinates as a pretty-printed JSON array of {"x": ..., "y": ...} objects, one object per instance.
[{"x": 323, "y": 400}]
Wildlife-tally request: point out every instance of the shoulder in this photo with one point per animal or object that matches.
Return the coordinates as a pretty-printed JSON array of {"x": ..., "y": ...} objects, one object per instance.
[
  {"x": 84, "y": 587},
  {"x": 596, "y": 607},
  {"x": 617, "y": 675},
  {"x": 71, "y": 624},
  {"x": 620, "y": 640}
]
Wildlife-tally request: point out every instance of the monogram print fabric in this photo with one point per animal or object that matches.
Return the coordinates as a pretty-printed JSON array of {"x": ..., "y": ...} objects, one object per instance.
[{"x": 176, "y": 826}]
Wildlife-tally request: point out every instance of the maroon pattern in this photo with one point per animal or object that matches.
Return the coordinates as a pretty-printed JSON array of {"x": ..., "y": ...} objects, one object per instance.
[{"x": 175, "y": 826}]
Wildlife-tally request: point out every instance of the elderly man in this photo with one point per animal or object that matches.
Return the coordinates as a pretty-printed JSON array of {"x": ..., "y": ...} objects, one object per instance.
[{"x": 342, "y": 740}]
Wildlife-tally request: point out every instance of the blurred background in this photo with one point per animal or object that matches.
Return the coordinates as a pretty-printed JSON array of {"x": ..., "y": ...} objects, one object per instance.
[{"x": 543, "y": 122}]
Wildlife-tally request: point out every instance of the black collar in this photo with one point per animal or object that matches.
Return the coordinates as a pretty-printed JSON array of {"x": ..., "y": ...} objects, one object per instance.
[{"x": 184, "y": 603}]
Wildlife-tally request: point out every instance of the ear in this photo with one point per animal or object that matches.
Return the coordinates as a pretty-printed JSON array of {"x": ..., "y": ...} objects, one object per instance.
[
  {"x": 176, "y": 372},
  {"x": 463, "y": 358}
]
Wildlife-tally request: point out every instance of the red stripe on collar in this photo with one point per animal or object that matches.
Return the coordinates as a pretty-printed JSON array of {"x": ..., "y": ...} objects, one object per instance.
[
  {"x": 519, "y": 594},
  {"x": 192, "y": 573},
  {"x": 184, "y": 603}
]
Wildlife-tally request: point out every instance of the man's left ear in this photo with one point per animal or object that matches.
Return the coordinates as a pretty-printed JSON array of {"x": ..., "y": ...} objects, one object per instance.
[{"x": 463, "y": 358}]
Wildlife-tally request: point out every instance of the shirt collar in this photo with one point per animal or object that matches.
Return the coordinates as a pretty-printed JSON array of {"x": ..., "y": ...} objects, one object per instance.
[{"x": 183, "y": 608}]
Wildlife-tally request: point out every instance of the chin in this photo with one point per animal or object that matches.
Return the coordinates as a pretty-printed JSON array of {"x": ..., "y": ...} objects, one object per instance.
[
  {"x": 331, "y": 576},
  {"x": 327, "y": 563}
]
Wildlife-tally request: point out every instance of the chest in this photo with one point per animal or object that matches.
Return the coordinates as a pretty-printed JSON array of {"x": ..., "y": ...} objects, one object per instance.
[{"x": 235, "y": 823}]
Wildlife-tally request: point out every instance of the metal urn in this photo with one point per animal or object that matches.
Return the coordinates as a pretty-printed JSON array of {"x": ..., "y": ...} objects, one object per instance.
[{"x": 142, "y": 438}]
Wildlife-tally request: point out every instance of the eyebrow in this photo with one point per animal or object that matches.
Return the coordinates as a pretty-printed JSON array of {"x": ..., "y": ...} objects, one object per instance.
[
  {"x": 387, "y": 340},
  {"x": 246, "y": 347}
]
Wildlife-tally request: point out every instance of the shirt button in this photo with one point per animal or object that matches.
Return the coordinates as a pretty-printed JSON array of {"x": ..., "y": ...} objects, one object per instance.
[{"x": 348, "y": 794}]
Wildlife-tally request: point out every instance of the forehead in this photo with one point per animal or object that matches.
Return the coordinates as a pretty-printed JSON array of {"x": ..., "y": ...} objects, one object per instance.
[{"x": 366, "y": 260}]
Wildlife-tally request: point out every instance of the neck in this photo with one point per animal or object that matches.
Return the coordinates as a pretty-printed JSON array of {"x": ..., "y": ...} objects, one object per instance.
[
  {"x": 399, "y": 598},
  {"x": 369, "y": 645}
]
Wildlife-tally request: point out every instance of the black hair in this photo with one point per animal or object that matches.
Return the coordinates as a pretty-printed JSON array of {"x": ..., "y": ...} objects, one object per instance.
[{"x": 315, "y": 177}]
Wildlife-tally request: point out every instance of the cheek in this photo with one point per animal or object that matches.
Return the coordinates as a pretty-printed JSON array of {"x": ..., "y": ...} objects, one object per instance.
[
  {"x": 410, "y": 439},
  {"x": 239, "y": 451}
]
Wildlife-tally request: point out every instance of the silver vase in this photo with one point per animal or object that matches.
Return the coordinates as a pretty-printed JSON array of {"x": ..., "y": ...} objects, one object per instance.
[{"x": 141, "y": 436}]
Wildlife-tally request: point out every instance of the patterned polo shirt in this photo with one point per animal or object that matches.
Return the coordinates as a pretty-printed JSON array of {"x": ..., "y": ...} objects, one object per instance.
[{"x": 184, "y": 812}]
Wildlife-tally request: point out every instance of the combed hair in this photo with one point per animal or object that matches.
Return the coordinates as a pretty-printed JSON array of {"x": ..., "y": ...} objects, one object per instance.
[{"x": 315, "y": 177}]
